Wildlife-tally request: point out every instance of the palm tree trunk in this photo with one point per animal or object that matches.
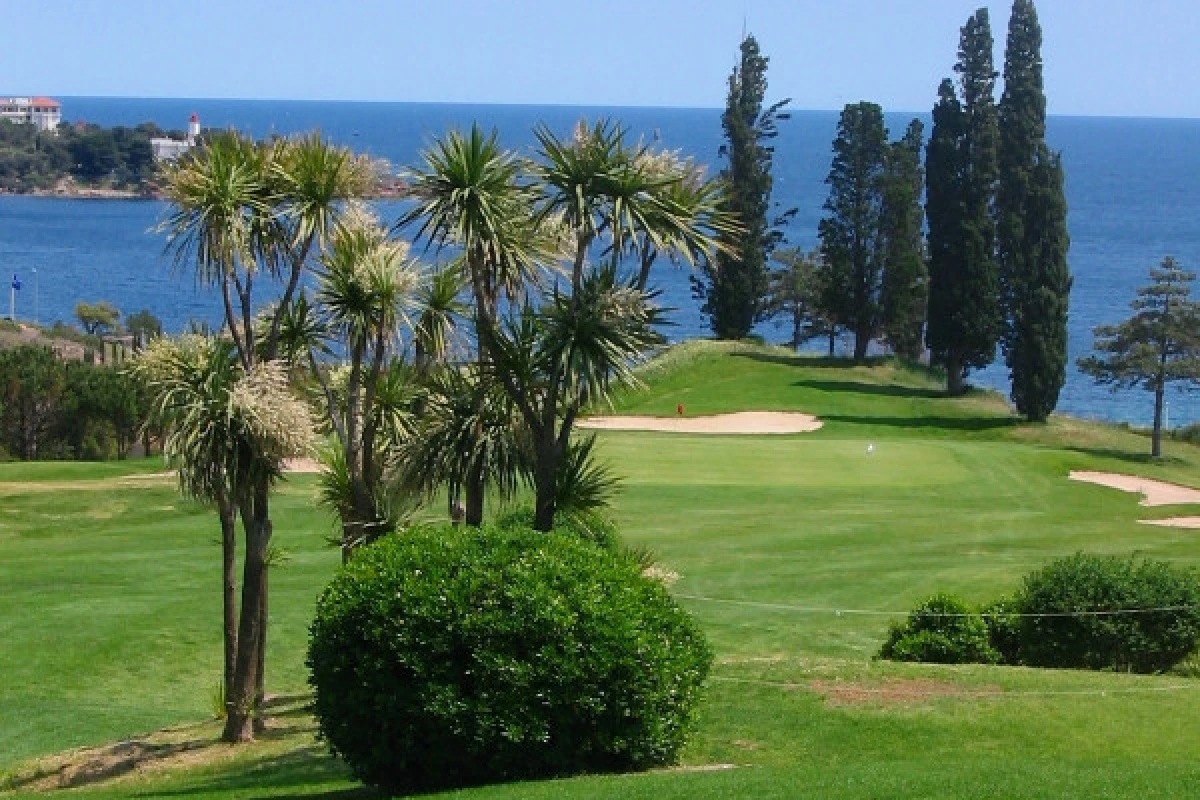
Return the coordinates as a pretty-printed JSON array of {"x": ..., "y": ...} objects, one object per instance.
[
  {"x": 239, "y": 721},
  {"x": 227, "y": 514},
  {"x": 475, "y": 481},
  {"x": 475, "y": 489},
  {"x": 260, "y": 673},
  {"x": 544, "y": 488}
]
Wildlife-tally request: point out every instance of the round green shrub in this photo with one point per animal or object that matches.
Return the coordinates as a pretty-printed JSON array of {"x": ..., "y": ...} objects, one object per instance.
[
  {"x": 1057, "y": 636},
  {"x": 943, "y": 629},
  {"x": 590, "y": 527},
  {"x": 447, "y": 657},
  {"x": 1004, "y": 629}
]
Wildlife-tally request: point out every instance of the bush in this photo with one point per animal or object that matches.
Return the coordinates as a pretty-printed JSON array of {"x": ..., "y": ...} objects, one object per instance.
[
  {"x": 1139, "y": 642},
  {"x": 942, "y": 630},
  {"x": 589, "y": 527},
  {"x": 1190, "y": 434},
  {"x": 449, "y": 657},
  {"x": 1003, "y": 629}
]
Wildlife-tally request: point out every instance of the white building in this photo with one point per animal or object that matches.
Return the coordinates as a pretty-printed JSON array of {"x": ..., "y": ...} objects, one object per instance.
[
  {"x": 166, "y": 149},
  {"x": 43, "y": 112}
]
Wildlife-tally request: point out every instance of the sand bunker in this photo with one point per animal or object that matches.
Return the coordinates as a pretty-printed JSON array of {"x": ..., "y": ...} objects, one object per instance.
[
  {"x": 1174, "y": 522},
  {"x": 301, "y": 465},
  {"x": 1154, "y": 493},
  {"x": 743, "y": 422}
]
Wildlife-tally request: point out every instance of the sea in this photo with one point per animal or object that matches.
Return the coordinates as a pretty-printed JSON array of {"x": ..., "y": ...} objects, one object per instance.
[{"x": 1133, "y": 191}]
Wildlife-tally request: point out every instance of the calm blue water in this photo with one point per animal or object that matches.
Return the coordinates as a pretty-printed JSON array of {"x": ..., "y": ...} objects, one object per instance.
[{"x": 1131, "y": 186}]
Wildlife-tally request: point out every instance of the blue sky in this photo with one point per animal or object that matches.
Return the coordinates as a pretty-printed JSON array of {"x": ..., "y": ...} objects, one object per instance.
[{"x": 1103, "y": 57}]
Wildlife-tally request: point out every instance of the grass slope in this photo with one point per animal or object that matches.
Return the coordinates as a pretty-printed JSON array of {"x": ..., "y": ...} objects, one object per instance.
[{"x": 111, "y": 626}]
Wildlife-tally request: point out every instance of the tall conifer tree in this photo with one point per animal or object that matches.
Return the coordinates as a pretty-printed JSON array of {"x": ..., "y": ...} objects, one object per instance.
[
  {"x": 964, "y": 296},
  {"x": 851, "y": 244},
  {"x": 1031, "y": 233},
  {"x": 905, "y": 276},
  {"x": 733, "y": 290}
]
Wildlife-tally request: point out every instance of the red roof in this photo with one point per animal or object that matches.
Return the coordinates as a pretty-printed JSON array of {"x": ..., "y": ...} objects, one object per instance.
[
  {"x": 44, "y": 101},
  {"x": 194, "y": 118}
]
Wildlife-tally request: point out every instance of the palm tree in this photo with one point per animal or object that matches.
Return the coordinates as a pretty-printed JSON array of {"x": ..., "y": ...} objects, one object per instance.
[
  {"x": 366, "y": 291},
  {"x": 688, "y": 219},
  {"x": 509, "y": 221},
  {"x": 467, "y": 426},
  {"x": 242, "y": 212},
  {"x": 225, "y": 432},
  {"x": 567, "y": 354},
  {"x": 441, "y": 306},
  {"x": 468, "y": 194}
]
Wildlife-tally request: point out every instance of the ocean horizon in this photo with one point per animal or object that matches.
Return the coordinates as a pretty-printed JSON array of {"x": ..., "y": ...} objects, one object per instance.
[{"x": 1131, "y": 195}]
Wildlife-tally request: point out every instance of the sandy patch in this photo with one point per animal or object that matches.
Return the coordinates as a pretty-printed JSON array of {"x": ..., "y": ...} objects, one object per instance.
[
  {"x": 301, "y": 465},
  {"x": 742, "y": 422},
  {"x": 895, "y": 692},
  {"x": 1174, "y": 522},
  {"x": 1154, "y": 493}
]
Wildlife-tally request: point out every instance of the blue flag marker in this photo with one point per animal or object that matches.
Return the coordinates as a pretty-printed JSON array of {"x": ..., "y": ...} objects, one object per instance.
[{"x": 16, "y": 284}]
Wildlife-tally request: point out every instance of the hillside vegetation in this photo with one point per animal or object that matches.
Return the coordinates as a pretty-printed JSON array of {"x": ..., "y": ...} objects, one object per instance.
[{"x": 112, "y": 624}]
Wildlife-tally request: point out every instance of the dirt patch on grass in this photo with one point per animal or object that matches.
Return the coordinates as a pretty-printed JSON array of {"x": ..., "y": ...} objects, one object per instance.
[
  {"x": 171, "y": 748},
  {"x": 742, "y": 422},
  {"x": 894, "y": 692},
  {"x": 702, "y": 768},
  {"x": 146, "y": 481},
  {"x": 1154, "y": 493},
  {"x": 1174, "y": 522}
]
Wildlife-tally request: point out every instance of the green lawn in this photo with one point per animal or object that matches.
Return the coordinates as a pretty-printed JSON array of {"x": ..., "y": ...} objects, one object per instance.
[{"x": 109, "y": 618}]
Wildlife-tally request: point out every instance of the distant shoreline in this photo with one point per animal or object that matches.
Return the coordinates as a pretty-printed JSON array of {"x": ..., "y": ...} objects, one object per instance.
[
  {"x": 86, "y": 193},
  {"x": 101, "y": 193}
]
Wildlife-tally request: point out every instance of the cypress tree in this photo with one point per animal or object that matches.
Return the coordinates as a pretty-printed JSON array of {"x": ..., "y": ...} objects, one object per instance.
[
  {"x": 851, "y": 244},
  {"x": 905, "y": 276},
  {"x": 1031, "y": 233},
  {"x": 964, "y": 302},
  {"x": 733, "y": 290}
]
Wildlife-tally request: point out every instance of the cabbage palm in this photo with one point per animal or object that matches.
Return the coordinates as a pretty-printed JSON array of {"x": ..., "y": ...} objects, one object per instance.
[
  {"x": 225, "y": 432},
  {"x": 688, "y": 220},
  {"x": 468, "y": 427},
  {"x": 469, "y": 194},
  {"x": 441, "y": 306},
  {"x": 569, "y": 353},
  {"x": 242, "y": 212},
  {"x": 509, "y": 218},
  {"x": 366, "y": 291}
]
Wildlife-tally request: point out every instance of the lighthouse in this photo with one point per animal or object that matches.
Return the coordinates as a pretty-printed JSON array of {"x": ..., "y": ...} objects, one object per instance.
[{"x": 193, "y": 128}]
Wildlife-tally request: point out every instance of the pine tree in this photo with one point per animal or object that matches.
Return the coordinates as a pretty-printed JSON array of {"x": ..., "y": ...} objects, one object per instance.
[
  {"x": 1159, "y": 344},
  {"x": 733, "y": 290},
  {"x": 851, "y": 244},
  {"x": 1031, "y": 233},
  {"x": 905, "y": 276},
  {"x": 794, "y": 295},
  {"x": 964, "y": 301}
]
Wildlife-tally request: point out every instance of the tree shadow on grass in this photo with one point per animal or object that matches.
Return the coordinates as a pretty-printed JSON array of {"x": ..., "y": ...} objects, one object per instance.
[
  {"x": 850, "y": 387},
  {"x": 877, "y": 389},
  {"x": 282, "y": 777},
  {"x": 811, "y": 360},
  {"x": 1127, "y": 456},
  {"x": 927, "y": 423}
]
